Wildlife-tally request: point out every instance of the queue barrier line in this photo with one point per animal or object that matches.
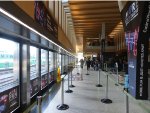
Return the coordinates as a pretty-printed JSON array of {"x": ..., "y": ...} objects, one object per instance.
[
  {"x": 43, "y": 98},
  {"x": 35, "y": 103},
  {"x": 138, "y": 102}
]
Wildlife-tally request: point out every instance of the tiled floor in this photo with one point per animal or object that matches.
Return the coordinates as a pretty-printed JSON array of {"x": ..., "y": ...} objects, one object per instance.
[{"x": 86, "y": 97}]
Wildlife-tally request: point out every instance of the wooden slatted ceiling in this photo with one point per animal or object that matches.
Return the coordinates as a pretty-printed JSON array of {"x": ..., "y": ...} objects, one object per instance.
[{"x": 88, "y": 17}]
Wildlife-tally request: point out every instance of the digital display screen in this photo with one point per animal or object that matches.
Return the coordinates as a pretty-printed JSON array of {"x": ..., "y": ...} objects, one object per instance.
[{"x": 135, "y": 16}]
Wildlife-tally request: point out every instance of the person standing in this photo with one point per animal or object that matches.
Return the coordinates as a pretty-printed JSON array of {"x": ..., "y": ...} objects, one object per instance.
[
  {"x": 88, "y": 62},
  {"x": 81, "y": 63}
]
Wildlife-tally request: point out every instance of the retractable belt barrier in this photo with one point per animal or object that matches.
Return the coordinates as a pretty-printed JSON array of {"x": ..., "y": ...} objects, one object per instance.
[
  {"x": 71, "y": 80},
  {"x": 68, "y": 90},
  {"x": 39, "y": 104},
  {"x": 106, "y": 100},
  {"x": 117, "y": 77},
  {"x": 62, "y": 106},
  {"x": 99, "y": 85}
]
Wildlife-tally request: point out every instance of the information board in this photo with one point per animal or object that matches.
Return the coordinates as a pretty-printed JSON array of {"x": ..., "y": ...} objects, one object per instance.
[
  {"x": 135, "y": 18},
  {"x": 43, "y": 17}
]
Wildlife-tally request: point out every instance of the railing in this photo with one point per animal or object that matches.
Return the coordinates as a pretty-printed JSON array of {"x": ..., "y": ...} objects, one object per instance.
[{"x": 107, "y": 48}]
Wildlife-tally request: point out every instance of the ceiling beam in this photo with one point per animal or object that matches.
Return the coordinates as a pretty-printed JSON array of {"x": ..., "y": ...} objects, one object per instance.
[{"x": 107, "y": 11}]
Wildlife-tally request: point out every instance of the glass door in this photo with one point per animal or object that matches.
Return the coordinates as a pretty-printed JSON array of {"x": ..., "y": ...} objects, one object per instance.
[
  {"x": 44, "y": 68},
  {"x": 9, "y": 75},
  {"x": 34, "y": 70},
  {"x": 51, "y": 66}
]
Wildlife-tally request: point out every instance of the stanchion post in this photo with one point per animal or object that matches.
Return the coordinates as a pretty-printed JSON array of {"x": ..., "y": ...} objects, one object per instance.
[
  {"x": 39, "y": 104},
  {"x": 117, "y": 84},
  {"x": 87, "y": 71},
  {"x": 68, "y": 91},
  {"x": 71, "y": 81},
  {"x": 62, "y": 106},
  {"x": 78, "y": 70},
  {"x": 82, "y": 74},
  {"x": 127, "y": 104},
  {"x": 99, "y": 85},
  {"x": 106, "y": 100},
  {"x": 106, "y": 67}
]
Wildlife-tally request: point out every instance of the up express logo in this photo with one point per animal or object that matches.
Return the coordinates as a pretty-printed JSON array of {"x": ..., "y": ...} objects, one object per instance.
[{"x": 131, "y": 13}]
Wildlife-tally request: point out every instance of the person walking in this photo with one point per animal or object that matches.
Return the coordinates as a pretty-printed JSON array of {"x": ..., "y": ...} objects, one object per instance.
[{"x": 81, "y": 63}]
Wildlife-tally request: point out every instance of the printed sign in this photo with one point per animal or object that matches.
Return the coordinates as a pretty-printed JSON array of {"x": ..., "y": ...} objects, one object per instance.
[
  {"x": 43, "y": 17},
  {"x": 44, "y": 81},
  {"x": 34, "y": 87},
  {"x": 135, "y": 18},
  {"x": 9, "y": 100}
]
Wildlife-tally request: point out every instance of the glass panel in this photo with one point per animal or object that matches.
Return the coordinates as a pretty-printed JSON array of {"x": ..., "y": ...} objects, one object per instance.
[
  {"x": 9, "y": 75},
  {"x": 55, "y": 61},
  {"x": 9, "y": 64},
  {"x": 44, "y": 68},
  {"x": 33, "y": 62},
  {"x": 62, "y": 63},
  {"x": 34, "y": 37},
  {"x": 44, "y": 42},
  {"x": 51, "y": 66},
  {"x": 51, "y": 62},
  {"x": 44, "y": 62},
  {"x": 34, "y": 70},
  {"x": 59, "y": 61}
]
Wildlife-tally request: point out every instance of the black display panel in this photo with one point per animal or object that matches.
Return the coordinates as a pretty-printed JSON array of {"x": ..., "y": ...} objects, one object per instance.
[
  {"x": 43, "y": 17},
  {"x": 135, "y": 18}
]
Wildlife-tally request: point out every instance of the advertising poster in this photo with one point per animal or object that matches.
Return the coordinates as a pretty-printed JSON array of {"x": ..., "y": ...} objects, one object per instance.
[
  {"x": 43, "y": 17},
  {"x": 34, "y": 86},
  {"x": 51, "y": 77},
  {"x": 9, "y": 100},
  {"x": 44, "y": 81},
  {"x": 135, "y": 18}
]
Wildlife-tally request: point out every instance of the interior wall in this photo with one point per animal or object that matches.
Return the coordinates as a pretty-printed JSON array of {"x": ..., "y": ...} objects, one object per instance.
[
  {"x": 64, "y": 40},
  {"x": 28, "y": 7}
]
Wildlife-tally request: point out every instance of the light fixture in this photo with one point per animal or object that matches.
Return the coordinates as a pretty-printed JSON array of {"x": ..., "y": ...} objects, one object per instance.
[{"x": 30, "y": 28}]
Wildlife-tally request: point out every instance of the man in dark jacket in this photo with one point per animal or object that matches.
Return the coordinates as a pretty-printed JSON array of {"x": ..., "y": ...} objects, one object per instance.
[{"x": 88, "y": 62}]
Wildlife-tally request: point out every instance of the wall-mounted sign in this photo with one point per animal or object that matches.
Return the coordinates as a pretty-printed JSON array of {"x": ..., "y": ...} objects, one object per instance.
[
  {"x": 9, "y": 100},
  {"x": 136, "y": 17},
  {"x": 43, "y": 17}
]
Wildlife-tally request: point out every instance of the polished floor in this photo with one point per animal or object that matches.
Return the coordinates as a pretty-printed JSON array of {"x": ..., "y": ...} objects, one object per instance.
[{"x": 86, "y": 97}]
